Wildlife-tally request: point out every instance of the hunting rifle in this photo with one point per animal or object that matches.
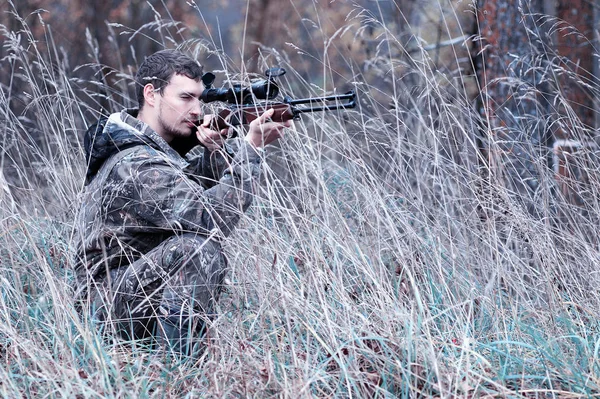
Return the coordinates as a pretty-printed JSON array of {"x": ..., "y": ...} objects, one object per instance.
[{"x": 244, "y": 105}]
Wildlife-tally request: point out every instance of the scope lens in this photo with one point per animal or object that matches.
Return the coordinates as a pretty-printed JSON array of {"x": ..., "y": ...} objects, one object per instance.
[{"x": 265, "y": 90}]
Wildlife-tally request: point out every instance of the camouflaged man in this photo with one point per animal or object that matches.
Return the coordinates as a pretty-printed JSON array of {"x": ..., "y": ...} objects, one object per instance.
[{"x": 150, "y": 262}]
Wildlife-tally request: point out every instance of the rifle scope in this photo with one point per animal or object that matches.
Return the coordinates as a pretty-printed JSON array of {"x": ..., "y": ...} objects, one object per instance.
[{"x": 238, "y": 94}]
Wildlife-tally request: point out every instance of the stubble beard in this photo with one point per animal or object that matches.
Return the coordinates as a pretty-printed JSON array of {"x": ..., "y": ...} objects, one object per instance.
[{"x": 180, "y": 130}]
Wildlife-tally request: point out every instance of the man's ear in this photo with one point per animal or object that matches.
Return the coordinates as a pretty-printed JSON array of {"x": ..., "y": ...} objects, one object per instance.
[{"x": 149, "y": 94}]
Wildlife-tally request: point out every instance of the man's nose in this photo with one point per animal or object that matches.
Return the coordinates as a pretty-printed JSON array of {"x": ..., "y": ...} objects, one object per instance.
[{"x": 196, "y": 108}]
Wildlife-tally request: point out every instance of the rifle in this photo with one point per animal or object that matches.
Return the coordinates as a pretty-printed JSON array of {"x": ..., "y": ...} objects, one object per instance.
[{"x": 244, "y": 104}]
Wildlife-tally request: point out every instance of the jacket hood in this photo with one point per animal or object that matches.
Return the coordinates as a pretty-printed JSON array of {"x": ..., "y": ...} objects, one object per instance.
[{"x": 113, "y": 134}]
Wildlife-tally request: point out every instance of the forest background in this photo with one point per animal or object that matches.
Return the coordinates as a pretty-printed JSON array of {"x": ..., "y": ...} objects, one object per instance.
[{"x": 441, "y": 239}]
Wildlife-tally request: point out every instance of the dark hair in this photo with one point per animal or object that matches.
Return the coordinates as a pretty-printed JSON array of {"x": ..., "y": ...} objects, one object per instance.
[{"x": 160, "y": 67}]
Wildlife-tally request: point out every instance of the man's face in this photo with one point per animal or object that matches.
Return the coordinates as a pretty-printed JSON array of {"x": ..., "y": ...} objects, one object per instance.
[{"x": 179, "y": 107}]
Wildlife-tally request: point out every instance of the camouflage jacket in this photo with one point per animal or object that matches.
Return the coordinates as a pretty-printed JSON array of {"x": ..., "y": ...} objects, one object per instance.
[{"x": 139, "y": 192}]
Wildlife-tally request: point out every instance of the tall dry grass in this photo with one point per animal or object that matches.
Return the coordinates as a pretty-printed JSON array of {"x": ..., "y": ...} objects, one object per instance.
[{"x": 380, "y": 258}]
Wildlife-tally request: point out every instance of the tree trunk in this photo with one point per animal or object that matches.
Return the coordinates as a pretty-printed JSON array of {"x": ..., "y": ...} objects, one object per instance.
[
  {"x": 530, "y": 66},
  {"x": 510, "y": 67},
  {"x": 574, "y": 47}
]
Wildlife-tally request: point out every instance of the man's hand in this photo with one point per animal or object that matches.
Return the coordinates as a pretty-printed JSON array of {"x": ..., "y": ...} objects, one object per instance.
[
  {"x": 211, "y": 139},
  {"x": 263, "y": 132}
]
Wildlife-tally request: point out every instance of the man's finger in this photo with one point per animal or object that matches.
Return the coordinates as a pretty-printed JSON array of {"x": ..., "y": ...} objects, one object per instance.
[
  {"x": 266, "y": 116},
  {"x": 206, "y": 120}
]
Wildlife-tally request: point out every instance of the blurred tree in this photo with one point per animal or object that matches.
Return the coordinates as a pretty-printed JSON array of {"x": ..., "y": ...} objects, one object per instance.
[
  {"x": 107, "y": 38},
  {"x": 327, "y": 42},
  {"x": 534, "y": 64},
  {"x": 305, "y": 36}
]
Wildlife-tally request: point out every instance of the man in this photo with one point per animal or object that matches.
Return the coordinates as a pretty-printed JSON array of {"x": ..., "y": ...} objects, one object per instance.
[{"x": 150, "y": 260}]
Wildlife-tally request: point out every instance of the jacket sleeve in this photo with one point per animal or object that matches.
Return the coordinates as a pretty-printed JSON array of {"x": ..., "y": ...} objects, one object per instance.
[
  {"x": 209, "y": 166},
  {"x": 159, "y": 195}
]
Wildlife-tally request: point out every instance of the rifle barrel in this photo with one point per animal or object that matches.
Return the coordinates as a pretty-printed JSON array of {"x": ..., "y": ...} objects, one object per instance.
[
  {"x": 351, "y": 96},
  {"x": 302, "y": 110}
]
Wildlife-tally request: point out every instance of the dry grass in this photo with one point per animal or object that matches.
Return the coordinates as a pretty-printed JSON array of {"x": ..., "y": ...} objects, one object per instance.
[{"x": 379, "y": 259}]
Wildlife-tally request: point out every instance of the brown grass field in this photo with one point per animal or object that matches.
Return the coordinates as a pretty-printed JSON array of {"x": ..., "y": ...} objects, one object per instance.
[{"x": 386, "y": 255}]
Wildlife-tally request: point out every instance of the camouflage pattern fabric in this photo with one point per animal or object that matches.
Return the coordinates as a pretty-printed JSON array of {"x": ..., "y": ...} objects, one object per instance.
[{"x": 149, "y": 258}]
